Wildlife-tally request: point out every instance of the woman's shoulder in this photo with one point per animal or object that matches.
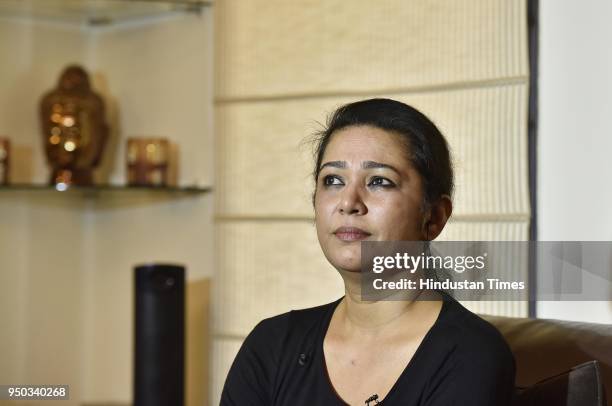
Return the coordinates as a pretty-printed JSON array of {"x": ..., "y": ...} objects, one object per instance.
[
  {"x": 291, "y": 325},
  {"x": 473, "y": 336},
  {"x": 270, "y": 352},
  {"x": 468, "y": 359}
]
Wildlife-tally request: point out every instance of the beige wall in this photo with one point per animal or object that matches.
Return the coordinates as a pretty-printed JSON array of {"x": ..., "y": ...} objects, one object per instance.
[
  {"x": 41, "y": 239},
  {"x": 281, "y": 67},
  {"x": 159, "y": 78},
  {"x": 66, "y": 261}
]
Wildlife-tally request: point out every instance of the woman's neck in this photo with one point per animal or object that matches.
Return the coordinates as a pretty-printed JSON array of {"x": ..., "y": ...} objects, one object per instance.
[{"x": 372, "y": 318}]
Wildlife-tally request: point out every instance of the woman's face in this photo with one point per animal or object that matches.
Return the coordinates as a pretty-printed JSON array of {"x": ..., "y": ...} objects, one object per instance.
[{"x": 367, "y": 189}]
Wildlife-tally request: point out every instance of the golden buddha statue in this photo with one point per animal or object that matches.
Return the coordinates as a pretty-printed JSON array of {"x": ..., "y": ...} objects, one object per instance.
[{"x": 74, "y": 128}]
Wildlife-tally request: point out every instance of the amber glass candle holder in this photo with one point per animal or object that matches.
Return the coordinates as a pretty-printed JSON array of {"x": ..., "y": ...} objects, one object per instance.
[
  {"x": 147, "y": 161},
  {"x": 5, "y": 154}
]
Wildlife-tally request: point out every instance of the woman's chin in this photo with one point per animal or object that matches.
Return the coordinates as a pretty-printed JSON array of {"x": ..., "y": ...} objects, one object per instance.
[
  {"x": 349, "y": 270},
  {"x": 346, "y": 259},
  {"x": 350, "y": 266}
]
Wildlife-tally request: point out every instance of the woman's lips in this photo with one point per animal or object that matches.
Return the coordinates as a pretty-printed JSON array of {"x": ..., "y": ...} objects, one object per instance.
[{"x": 351, "y": 234}]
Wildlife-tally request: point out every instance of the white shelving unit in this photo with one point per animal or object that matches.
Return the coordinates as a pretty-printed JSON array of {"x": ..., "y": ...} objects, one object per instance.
[{"x": 65, "y": 261}]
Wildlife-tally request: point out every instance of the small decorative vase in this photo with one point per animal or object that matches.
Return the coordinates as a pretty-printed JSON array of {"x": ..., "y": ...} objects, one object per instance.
[
  {"x": 147, "y": 161},
  {"x": 74, "y": 129},
  {"x": 5, "y": 154}
]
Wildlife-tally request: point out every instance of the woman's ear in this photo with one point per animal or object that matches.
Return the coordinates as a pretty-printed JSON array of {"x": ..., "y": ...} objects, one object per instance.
[{"x": 438, "y": 214}]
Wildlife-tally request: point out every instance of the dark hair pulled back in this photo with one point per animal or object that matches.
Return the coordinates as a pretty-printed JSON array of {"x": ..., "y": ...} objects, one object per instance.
[{"x": 424, "y": 143}]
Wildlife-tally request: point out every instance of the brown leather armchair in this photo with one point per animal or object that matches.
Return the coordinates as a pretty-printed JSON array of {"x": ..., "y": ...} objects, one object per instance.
[{"x": 550, "y": 348}]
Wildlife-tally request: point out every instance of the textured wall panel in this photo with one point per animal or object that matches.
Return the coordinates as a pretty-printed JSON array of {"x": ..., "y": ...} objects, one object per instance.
[
  {"x": 492, "y": 230},
  {"x": 224, "y": 351},
  {"x": 265, "y": 164},
  {"x": 278, "y": 47},
  {"x": 267, "y": 268},
  {"x": 499, "y": 308}
]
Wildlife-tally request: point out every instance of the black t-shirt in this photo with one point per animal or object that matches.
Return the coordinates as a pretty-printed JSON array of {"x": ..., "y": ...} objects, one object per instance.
[{"x": 462, "y": 360}]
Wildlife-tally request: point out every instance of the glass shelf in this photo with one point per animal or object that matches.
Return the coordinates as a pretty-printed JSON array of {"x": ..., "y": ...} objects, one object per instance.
[
  {"x": 95, "y": 191},
  {"x": 97, "y": 12}
]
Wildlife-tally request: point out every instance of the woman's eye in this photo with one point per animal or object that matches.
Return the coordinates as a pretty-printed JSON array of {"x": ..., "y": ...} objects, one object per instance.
[
  {"x": 331, "y": 180},
  {"x": 379, "y": 181}
]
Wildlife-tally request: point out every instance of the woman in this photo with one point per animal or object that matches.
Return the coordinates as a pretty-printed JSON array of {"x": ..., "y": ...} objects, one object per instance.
[{"x": 382, "y": 173}]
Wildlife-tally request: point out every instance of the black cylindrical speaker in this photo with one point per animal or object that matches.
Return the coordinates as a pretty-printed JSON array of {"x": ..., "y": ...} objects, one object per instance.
[{"x": 159, "y": 336}]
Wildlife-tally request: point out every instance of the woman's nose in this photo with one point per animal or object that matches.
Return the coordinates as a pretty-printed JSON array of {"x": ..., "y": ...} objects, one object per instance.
[{"x": 352, "y": 202}]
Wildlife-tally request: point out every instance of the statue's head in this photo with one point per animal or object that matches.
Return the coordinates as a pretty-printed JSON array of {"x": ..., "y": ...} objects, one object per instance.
[{"x": 74, "y": 78}]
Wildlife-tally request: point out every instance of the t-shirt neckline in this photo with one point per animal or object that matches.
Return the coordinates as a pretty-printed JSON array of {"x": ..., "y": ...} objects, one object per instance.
[{"x": 323, "y": 364}]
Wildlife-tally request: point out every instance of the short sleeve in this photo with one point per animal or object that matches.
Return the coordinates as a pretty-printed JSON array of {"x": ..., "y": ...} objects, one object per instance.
[
  {"x": 250, "y": 380},
  {"x": 479, "y": 373}
]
